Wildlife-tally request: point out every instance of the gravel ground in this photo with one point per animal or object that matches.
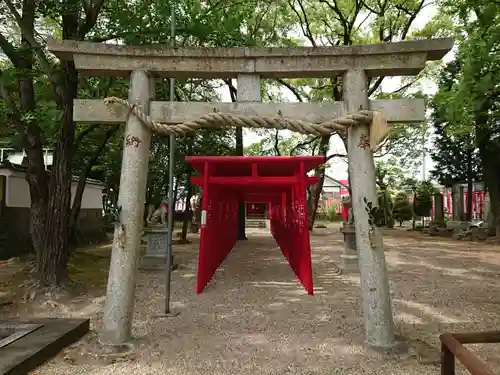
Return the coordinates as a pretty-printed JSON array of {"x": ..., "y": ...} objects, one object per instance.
[{"x": 255, "y": 318}]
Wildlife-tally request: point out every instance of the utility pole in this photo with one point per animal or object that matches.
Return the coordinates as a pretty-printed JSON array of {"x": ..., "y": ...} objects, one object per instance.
[
  {"x": 424, "y": 155},
  {"x": 171, "y": 203}
]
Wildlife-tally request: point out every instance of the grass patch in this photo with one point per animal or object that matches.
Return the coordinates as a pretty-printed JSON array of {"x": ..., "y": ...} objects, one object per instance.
[{"x": 89, "y": 269}]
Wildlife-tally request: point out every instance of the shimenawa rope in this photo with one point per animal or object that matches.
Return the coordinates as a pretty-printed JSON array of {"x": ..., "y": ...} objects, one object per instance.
[{"x": 379, "y": 128}]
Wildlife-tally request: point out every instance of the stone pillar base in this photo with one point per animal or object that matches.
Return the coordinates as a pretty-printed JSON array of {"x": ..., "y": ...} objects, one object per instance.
[
  {"x": 399, "y": 347},
  {"x": 155, "y": 262},
  {"x": 194, "y": 227},
  {"x": 349, "y": 263}
]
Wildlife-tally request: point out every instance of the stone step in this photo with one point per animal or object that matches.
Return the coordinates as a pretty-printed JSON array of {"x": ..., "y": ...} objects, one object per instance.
[{"x": 255, "y": 224}]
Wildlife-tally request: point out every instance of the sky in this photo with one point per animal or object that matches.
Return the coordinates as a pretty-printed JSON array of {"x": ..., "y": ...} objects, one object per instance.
[{"x": 338, "y": 167}]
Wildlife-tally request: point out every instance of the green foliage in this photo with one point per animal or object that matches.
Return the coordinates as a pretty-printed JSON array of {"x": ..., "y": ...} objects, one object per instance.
[
  {"x": 279, "y": 145},
  {"x": 331, "y": 212},
  {"x": 424, "y": 196},
  {"x": 402, "y": 208},
  {"x": 471, "y": 105},
  {"x": 454, "y": 149},
  {"x": 388, "y": 175}
]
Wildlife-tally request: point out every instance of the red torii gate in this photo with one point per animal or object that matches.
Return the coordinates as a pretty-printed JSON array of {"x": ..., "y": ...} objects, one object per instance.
[{"x": 280, "y": 181}]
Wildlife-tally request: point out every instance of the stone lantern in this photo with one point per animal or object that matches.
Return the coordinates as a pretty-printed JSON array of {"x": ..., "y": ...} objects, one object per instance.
[{"x": 350, "y": 256}]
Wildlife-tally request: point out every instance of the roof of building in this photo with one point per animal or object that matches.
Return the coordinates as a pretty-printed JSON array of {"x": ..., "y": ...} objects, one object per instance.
[
  {"x": 23, "y": 169},
  {"x": 338, "y": 182}
]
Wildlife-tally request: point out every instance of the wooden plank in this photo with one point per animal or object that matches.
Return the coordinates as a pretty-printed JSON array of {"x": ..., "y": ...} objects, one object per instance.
[{"x": 40, "y": 345}]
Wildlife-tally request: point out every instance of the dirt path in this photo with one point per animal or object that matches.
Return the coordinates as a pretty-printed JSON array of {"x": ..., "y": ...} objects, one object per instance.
[{"x": 255, "y": 318}]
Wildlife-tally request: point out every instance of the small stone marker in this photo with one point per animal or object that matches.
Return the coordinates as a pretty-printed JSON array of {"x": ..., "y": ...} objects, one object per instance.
[{"x": 156, "y": 250}]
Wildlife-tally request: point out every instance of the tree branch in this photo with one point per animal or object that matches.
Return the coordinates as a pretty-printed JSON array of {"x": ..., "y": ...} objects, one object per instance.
[
  {"x": 91, "y": 13},
  {"x": 375, "y": 86},
  {"x": 308, "y": 26},
  {"x": 89, "y": 129},
  {"x": 11, "y": 51},
  {"x": 291, "y": 88},
  {"x": 336, "y": 9},
  {"x": 370, "y": 9},
  {"x": 232, "y": 90},
  {"x": 413, "y": 15},
  {"x": 276, "y": 143},
  {"x": 307, "y": 30},
  {"x": 335, "y": 156},
  {"x": 402, "y": 88},
  {"x": 11, "y": 105},
  {"x": 37, "y": 48},
  {"x": 303, "y": 144},
  {"x": 82, "y": 179}
]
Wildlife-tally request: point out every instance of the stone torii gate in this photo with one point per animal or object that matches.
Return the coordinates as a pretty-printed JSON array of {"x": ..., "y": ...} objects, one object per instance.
[{"x": 356, "y": 64}]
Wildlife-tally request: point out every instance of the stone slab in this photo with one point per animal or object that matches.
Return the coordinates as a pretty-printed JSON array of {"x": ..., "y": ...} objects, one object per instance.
[
  {"x": 395, "y": 111},
  {"x": 385, "y": 59},
  {"x": 152, "y": 262},
  {"x": 456, "y": 224},
  {"x": 32, "y": 350}
]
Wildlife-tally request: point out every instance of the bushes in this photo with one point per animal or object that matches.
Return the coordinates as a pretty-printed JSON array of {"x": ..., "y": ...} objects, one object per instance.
[
  {"x": 402, "y": 209},
  {"x": 331, "y": 212}
]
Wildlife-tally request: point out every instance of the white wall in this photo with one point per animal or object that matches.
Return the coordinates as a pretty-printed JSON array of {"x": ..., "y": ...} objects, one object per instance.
[
  {"x": 18, "y": 194},
  {"x": 92, "y": 196}
]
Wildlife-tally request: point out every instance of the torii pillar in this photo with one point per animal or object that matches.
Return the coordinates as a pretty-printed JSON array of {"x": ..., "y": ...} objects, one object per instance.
[
  {"x": 377, "y": 310},
  {"x": 355, "y": 63}
]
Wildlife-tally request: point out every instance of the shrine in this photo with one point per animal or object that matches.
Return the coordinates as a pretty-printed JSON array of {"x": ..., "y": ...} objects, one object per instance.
[
  {"x": 279, "y": 181},
  {"x": 364, "y": 122},
  {"x": 255, "y": 210}
]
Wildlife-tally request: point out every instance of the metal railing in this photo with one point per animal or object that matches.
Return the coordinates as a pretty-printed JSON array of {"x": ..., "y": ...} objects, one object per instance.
[{"x": 452, "y": 347}]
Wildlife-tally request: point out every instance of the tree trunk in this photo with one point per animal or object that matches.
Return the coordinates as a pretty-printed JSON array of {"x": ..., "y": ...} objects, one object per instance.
[
  {"x": 82, "y": 179},
  {"x": 36, "y": 174},
  {"x": 387, "y": 210},
  {"x": 52, "y": 268},
  {"x": 187, "y": 211},
  {"x": 470, "y": 185},
  {"x": 414, "y": 206},
  {"x": 189, "y": 193},
  {"x": 176, "y": 191},
  {"x": 50, "y": 196},
  {"x": 319, "y": 172},
  {"x": 317, "y": 188},
  {"x": 489, "y": 149},
  {"x": 491, "y": 173}
]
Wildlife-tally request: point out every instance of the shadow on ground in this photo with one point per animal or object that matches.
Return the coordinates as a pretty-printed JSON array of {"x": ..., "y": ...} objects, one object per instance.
[{"x": 255, "y": 317}]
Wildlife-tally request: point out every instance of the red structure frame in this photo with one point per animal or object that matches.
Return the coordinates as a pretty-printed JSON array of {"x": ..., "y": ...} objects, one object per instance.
[{"x": 280, "y": 181}]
